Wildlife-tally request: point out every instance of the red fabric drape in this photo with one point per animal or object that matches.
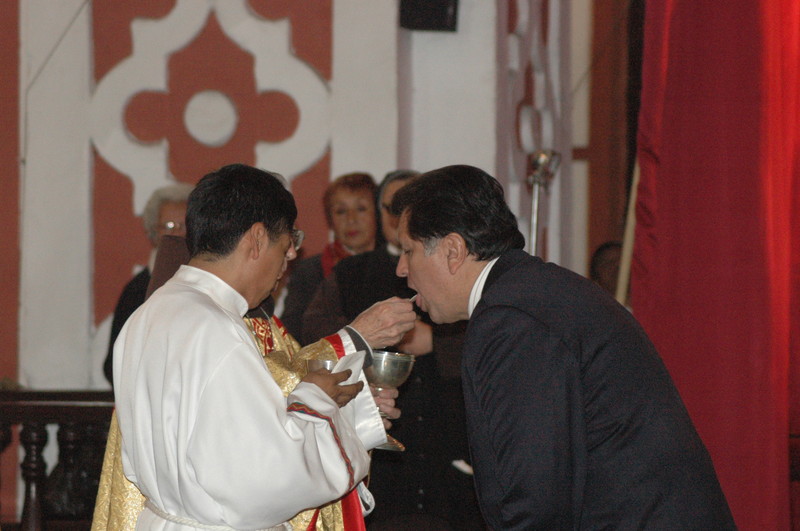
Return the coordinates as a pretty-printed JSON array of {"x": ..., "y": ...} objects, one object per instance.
[{"x": 713, "y": 250}]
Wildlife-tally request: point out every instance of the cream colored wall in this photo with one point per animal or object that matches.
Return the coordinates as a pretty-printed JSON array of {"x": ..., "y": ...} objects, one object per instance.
[
  {"x": 464, "y": 91},
  {"x": 364, "y": 90},
  {"x": 454, "y": 89}
]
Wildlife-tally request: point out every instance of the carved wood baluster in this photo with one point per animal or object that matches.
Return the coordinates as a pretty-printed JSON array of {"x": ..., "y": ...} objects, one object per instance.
[
  {"x": 5, "y": 436},
  {"x": 33, "y": 438},
  {"x": 63, "y": 494},
  {"x": 92, "y": 464},
  {"x": 5, "y": 440}
]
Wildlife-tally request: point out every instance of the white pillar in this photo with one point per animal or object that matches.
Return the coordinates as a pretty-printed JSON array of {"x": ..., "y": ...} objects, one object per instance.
[
  {"x": 364, "y": 104},
  {"x": 56, "y": 195},
  {"x": 454, "y": 91}
]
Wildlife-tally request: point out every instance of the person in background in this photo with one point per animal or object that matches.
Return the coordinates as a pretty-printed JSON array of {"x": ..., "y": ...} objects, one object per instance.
[
  {"x": 572, "y": 417},
  {"x": 349, "y": 205},
  {"x": 429, "y": 486},
  {"x": 604, "y": 266},
  {"x": 164, "y": 213},
  {"x": 366, "y": 274},
  {"x": 207, "y": 434}
]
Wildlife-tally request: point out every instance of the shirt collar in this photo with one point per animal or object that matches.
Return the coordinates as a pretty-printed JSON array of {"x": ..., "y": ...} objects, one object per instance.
[
  {"x": 219, "y": 290},
  {"x": 477, "y": 287}
]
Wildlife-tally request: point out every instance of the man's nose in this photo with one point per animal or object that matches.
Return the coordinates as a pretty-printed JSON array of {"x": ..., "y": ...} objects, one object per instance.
[{"x": 402, "y": 266}]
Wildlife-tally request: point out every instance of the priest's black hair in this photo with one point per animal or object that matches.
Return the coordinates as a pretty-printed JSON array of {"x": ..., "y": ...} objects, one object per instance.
[{"x": 227, "y": 202}]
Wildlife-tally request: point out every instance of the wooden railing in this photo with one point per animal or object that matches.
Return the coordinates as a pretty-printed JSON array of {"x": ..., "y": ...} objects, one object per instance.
[{"x": 64, "y": 499}]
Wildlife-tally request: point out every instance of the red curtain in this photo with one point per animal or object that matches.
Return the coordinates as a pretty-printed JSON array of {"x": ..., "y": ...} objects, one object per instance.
[{"x": 714, "y": 252}]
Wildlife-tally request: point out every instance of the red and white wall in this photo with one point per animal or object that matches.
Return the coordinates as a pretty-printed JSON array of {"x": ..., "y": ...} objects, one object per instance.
[
  {"x": 114, "y": 100},
  {"x": 9, "y": 220},
  {"x": 105, "y": 101}
]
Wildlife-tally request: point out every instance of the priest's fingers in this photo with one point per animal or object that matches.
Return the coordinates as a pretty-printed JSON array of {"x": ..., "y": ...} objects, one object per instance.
[
  {"x": 330, "y": 385},
  {"x": 325, "y": 378},
  {"x": 345, "y": 393},
  {"x": 385, "y": 322}
]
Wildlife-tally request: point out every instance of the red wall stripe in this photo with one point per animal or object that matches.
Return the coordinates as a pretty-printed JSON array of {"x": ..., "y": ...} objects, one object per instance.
[{"x": 9, "y": 220}]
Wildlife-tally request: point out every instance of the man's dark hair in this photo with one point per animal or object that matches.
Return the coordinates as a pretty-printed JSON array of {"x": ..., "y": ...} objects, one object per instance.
[
  {"x": 226, "y": 203},
  {"x": 601, "y": 257},
  {"x": 461, "y": 199},
  {"x": 392, "y": 176}
]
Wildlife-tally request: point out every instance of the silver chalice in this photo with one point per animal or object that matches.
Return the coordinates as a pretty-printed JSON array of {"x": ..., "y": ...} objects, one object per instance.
[{"x": 388, "y": 371}]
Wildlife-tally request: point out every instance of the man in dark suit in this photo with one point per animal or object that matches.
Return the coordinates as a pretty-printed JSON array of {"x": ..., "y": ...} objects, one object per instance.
[{"x": 573, "y": 420}]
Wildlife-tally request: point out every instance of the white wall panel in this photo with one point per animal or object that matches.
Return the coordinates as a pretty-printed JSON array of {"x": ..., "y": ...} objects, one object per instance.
[
  {"x": 580, "y": 62},
  {"x": 56, "y": 244},
  {"x": 454, "y": 91},
  {"x": 364, "y": 88}
]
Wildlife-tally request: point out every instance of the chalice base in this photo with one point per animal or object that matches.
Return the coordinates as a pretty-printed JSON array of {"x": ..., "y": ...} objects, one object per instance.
[{"x": 392, "y": 444}]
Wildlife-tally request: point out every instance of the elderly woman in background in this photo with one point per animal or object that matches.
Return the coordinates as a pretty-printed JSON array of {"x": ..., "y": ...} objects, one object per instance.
[
  {"x": 164, "y": 213},
  {"x": 349, "y": 204}
]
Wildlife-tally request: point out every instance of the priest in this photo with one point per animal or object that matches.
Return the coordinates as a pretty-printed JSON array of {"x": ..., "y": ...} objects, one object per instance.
[{"x": 207, "y": 435}]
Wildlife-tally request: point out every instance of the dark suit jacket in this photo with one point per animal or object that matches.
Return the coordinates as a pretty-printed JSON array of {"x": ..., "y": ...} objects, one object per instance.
[
  {"x": 304, "y": 280},
  {"x": 132, "y": 297},
  {"x": 573, "y": 420}
]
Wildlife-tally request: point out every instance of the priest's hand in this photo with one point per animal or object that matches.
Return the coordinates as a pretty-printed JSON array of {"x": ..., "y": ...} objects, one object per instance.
[
  {"x": 384, "y": 398},
  {"x": 385, "y": 322},
  {"x": 329, "y": 383}
]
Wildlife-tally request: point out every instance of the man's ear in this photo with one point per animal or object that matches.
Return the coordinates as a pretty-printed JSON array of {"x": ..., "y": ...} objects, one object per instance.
[
  {"x": 253, "y": 238},
  {"x": 455, "y": 249}
]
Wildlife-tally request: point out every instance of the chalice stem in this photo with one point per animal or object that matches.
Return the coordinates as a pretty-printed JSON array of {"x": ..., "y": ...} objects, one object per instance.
[{"x": 388, "y": 371}]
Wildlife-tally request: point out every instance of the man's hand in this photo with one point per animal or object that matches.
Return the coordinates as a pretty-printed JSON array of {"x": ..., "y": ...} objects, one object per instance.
[
  {"x": 329, "y": 383},
  {"x": 385, "y": 322},
  {"x": 385, "y": 401},
  {"x": 418, "y": 341}
]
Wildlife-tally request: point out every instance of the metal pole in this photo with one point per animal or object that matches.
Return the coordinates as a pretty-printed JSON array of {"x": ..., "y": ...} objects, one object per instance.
[
  {"x": 534, "y": 239},
  {"x": 542, "y": 165}
]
